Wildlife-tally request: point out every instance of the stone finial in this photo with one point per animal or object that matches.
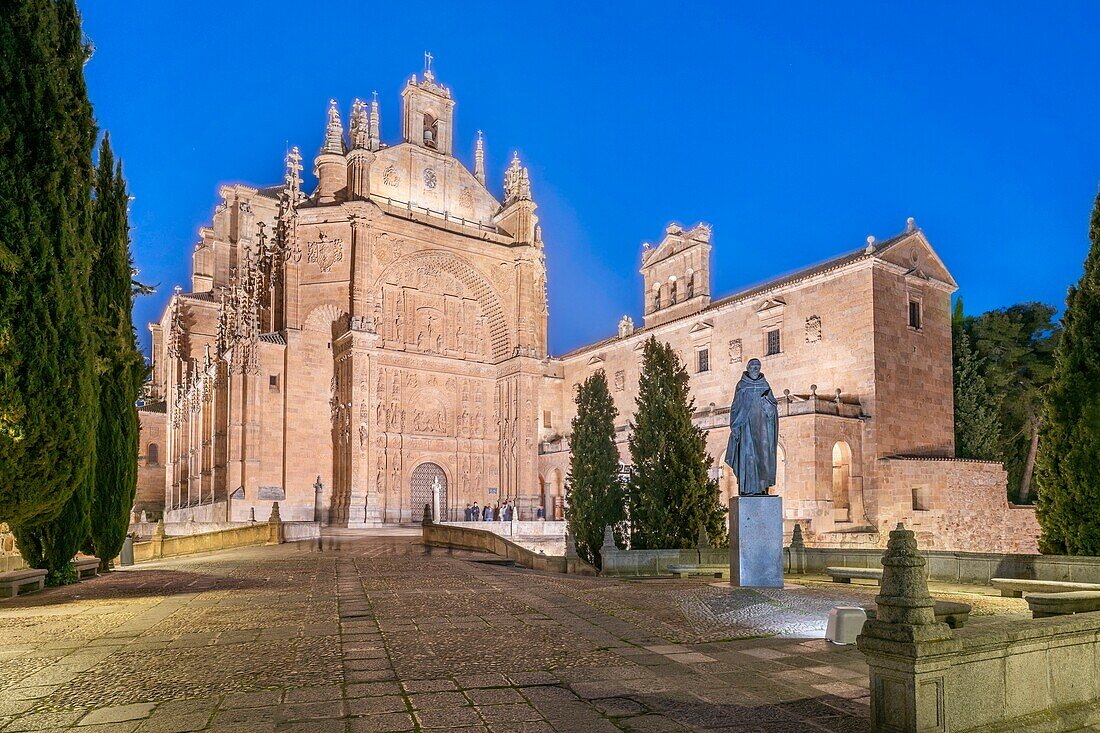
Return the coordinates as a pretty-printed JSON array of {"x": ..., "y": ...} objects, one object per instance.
[
  {"x": 702, "y": 541},
  {"x": 428, "y": 515},
  {"x": 626, "y": 326},
  {"x": 571, "y": 546},
  {"x": 252, "y": 514},
  {"x": 359, "y": 126},
  {"x": 479, "y": 159},
  {"x": 274, "y": 518},
  {"x": 375, "y": 126},
  {"x": 910, "y": 224},
  {"x": 334, "y": 131},
  {"x": 905, "y": 608},
  {"x": 159, "y": 531},
  {"x": 813, "y": 391},
  {"x": 517, "y": 183},
  {"x": 609, "y": 538},
  {"x": 838, "y": 393},
  {"x": 870, "y": 245},
  {"x": 796, "y": 537}
]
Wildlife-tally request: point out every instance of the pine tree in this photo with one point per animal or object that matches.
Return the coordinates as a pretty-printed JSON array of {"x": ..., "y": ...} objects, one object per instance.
[
  {"x": 595, "y": 491},
  {"x": 1068, "y": 464},
  {"x": 47, "y": 401},
  {"x": 121, "y": 363},
  {"x": 670, "y": 494},
  {"x": 977, "y": 429}
]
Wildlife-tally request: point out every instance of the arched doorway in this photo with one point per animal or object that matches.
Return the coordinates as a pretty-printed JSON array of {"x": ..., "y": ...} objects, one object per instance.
[
  {"x": 429, "y": 486},
  {"x": 842, "y": 481}
]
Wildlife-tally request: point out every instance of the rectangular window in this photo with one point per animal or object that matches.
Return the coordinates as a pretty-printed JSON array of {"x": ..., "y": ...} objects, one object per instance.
[
  {"x": 773, "y": 342},
  {"x": 273, "y": 381},
  {"x": 914, "y": 314},
  {"x": 546, "y": 419},
  {"x": 922, "y": 500},
  {"x": 704, "y": 360}
]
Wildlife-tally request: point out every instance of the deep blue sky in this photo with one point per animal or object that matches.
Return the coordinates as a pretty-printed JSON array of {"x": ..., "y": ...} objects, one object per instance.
[{"x": 795, "y": 132}]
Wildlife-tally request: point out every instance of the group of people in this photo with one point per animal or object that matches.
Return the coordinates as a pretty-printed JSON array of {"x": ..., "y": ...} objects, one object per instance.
[{"x": 491, "y": 512}]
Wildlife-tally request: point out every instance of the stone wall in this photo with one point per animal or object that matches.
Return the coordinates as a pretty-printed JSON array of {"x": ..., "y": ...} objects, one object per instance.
[
  {"x": 546, "y": 537},
  {"x": 953, "y": 504},
  {"x": 150, "y": 460}
]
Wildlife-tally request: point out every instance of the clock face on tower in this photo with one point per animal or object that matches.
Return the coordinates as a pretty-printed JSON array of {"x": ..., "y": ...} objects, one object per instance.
[{"x": 429, "y": 178}]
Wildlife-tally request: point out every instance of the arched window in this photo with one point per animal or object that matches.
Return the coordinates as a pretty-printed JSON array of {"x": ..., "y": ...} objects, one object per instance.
[
  {"x": 431, "y": 131},
  {"x": 657, "y": 299},
  {"x": 672, "y": 292},
  {"x": 151, "y": 457},
  {"x": 690, "y": 285},
  {"x": 842, "y": 481}
]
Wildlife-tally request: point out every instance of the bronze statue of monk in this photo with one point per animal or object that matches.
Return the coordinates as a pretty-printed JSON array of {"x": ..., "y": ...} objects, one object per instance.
[{"x": 754, "y": 433}]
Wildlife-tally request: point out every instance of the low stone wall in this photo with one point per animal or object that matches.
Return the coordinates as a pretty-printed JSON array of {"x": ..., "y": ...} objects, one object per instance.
[
  {"x": 959, "y": 567},
  {"x": 210, "y": 513},
  {"x": 160, "y": 546},
  {"x": 1003, "y": 676},
  {"x": 654, "y": 563},
  {"x": 547, "y": 537},
  {"x": 995, "y": 677},
  {"x": 480, "y": 540}
]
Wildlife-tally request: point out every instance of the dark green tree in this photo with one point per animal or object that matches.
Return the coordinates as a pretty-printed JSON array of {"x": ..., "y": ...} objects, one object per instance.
[
  {"x": 1068, "y": 502},
  {"x": 977, "y": 429},
  {"x": 47, "y": 358},
  {"x": 1016, "y": 348},
  {"x": 670, "y": 494},
  {"x": 122, "y": 368},
  {"x": 595, "y": 491}
]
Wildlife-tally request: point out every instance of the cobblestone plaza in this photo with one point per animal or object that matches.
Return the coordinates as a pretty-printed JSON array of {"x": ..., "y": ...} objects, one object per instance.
[{"x": 384, "y": 634}]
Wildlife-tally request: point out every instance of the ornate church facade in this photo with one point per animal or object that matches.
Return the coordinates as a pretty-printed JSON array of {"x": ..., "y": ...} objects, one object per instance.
[{"x": 380, "y": 345}]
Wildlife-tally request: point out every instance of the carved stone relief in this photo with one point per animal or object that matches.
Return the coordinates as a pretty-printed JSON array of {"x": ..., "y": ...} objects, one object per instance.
[
  {"x": 813, "y": 329},
  {"x": 325, "y": 252}
]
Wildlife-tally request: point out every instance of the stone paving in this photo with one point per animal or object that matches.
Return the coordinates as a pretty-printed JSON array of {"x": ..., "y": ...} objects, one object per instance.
[{"x": 377, "y": 634}]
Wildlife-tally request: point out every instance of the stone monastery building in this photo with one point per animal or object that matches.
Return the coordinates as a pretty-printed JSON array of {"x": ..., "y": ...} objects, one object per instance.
[{"x": 380, "y": 344}]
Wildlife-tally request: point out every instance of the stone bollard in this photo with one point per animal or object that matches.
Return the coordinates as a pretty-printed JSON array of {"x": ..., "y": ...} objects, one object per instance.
[
  {"x": 276, "y": 533},
  {"x": 797, "y": 552},
  {"x": 428, "y": 519},
  {"x": 907, "y": 691}
]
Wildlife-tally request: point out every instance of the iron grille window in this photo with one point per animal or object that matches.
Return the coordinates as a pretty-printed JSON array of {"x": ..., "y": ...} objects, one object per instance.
[
  {"x": 773, "y": 342},
  {"x": 704, "y": 360}
]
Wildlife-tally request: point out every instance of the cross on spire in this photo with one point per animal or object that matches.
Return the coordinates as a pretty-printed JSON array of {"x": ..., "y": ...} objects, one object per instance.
[{"x": 428, "y": 66}]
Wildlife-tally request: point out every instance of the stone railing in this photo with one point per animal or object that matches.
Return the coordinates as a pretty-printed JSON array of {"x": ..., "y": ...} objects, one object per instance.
[
  {"x": 271, "y": 532},
  {"x": 994, "y": 677},
  {"x": 479, "y": 540}
]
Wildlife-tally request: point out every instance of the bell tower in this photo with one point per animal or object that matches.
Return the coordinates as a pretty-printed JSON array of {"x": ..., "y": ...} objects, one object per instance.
[
  {"x": 676, "y": 274},
  {"x": 428, "y": 112}
]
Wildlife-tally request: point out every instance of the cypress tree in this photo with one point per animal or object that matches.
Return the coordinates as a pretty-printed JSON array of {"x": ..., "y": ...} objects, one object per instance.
[
  {"x": 595, "y": 492},
  {"x": 122, "y": 366},
  {"x": 977, "y": 429},
  {"x": 47, "y": 401},
  {"x": 670, "y": 494},
  {"x": 1068, "y": 464}
]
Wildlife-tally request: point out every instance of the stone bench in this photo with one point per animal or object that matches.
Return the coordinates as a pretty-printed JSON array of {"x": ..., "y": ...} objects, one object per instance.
[
  {"x": 1015, "y": 587},
  {"x": 952, "y": 613},
  {"x": 845, "y": 575},
  {"x": 1043, "y": 605},
  {"x": 86, "y": 567},
  {"x": 13, "y": 582},
  {"x": 686, "y": 570}
]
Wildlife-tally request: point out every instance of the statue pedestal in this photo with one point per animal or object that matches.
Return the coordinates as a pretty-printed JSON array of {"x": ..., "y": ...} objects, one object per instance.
[{"x": 756, "y": 541}]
